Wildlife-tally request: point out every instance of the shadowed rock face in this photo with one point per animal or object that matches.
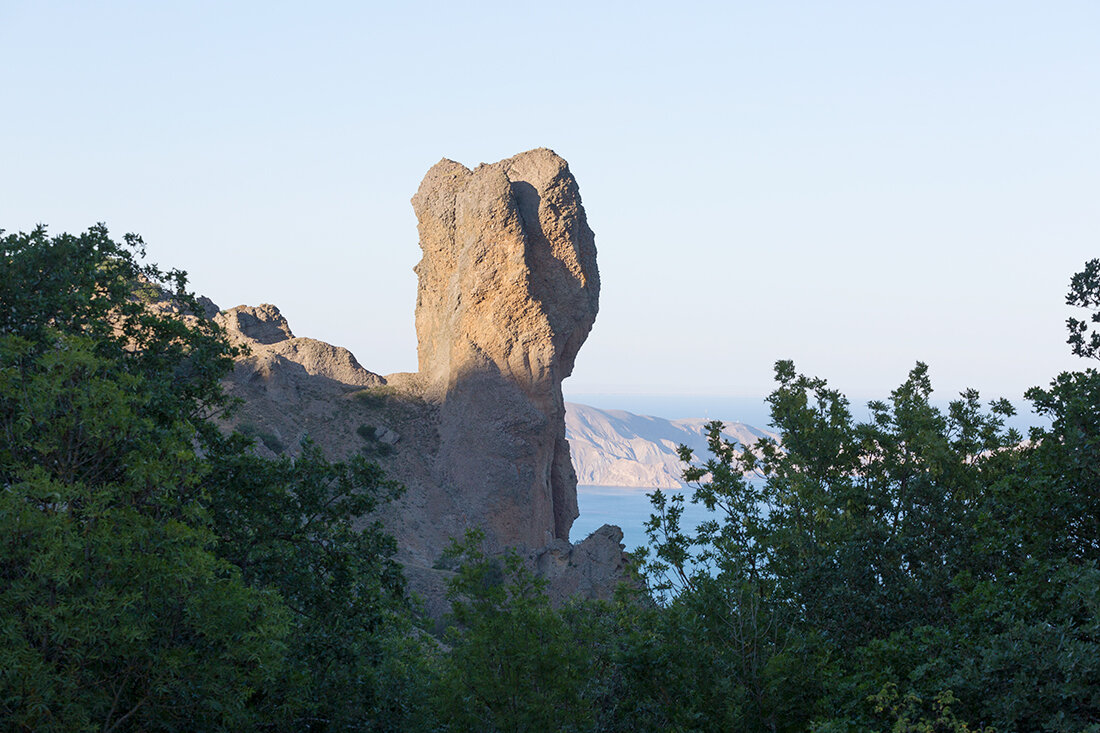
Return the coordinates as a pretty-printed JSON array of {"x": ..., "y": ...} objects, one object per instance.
[{"x": 508, "y": 291}]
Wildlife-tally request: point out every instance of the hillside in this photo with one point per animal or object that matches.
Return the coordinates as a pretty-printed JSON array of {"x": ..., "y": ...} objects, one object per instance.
[{"x": 618, "y": 448}]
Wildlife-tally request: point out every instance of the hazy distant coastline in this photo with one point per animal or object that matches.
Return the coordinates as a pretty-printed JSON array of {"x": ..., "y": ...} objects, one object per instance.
[{"x": 619, "y": 448}]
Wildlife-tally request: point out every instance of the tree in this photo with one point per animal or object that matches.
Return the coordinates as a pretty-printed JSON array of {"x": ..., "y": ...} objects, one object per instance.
[
  {"x": 848, "y": 532},
  {"x": 1084, "y": 292},
  {"x": 513, "y": 664},
  {"x": 155, "y": 574},
  {"x": 115, "y": 612},
  {"x": 297, "y": 526},
  {"x": 922, "y": 570}
]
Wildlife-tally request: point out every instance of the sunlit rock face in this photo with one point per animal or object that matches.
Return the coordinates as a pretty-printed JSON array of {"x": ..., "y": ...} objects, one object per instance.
[
  {"x": 273, "y": 353},
  {"x": 508, "y": 291}
]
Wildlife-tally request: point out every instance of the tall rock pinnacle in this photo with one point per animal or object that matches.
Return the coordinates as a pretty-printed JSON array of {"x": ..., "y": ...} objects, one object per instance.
[{"x": 508, "y": 291}]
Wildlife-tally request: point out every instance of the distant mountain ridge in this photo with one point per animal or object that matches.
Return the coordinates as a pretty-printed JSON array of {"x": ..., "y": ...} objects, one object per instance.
[{"x": 619, "y": 448}]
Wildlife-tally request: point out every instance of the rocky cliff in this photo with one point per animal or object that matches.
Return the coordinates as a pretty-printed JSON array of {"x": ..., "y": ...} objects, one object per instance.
[
  {"x": 508, "y": 291},
  {"x": 618, "y": 448}
]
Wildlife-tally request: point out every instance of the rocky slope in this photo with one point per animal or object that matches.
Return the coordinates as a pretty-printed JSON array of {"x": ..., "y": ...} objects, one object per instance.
[{"x": 617, "y": 448}]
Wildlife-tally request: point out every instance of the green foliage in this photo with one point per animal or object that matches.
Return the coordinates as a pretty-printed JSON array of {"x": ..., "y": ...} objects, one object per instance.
[
  {"x": 630, "y": 678},
  {"x": 376, "y": 397},
  {"x": 922, "y": 570},
  {"x": 910, "y": 715},
  {"x": 513, "y": 665},
  {"x": 294, "y": 526},
  {"x": 1084, "y": 292},
  {"x": 268, "y": 438},
  {"x": 115, "y": 612},
  {"x": 374, "y": 446},
  {"x": 154, "y": 574},
  {"x": 85, "y": 285}
]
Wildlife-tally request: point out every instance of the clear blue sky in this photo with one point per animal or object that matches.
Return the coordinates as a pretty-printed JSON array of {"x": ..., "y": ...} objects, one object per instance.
[{"x": 854, "y": 185}]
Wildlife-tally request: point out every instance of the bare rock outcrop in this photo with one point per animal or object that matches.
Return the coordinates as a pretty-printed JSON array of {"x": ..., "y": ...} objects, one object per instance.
[
  {"x": 508, "y": 292},
  {"x": 590, "y": 568},
  {"x": 272, "y": 348},
  {"x": 261, "y": 324},
  {"x": 292, "y": 388}
]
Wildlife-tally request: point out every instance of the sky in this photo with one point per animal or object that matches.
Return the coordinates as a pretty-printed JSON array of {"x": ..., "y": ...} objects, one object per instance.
[{"x": 852, "y": 185}]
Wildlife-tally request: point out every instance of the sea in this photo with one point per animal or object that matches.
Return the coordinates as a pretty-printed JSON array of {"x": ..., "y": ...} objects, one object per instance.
[{"x": 628, "y": 507}]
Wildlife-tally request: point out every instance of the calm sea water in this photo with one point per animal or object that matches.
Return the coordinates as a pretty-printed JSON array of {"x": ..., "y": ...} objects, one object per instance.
[{"x": 628, "y": 507}]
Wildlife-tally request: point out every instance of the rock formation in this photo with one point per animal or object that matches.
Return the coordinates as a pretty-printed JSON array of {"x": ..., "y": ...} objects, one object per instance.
[
  {"x": 508, "y": 291},
  {"x": 273, "y": 348},
  {"x": 263, "y": 324}
]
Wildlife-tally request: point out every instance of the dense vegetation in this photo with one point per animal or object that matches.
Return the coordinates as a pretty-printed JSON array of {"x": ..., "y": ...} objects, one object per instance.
[
  {"x": 154, "y": 574},
  {"x": 925, "y": 570}
]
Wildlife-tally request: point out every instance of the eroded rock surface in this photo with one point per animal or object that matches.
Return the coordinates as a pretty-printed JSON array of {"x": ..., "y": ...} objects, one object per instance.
[
  {"x": 261, "y": 324},
  {"x": 508, "y": 291},
  {"x": 273, "y": 350},
  {"x": 292, "y": 388},
  {"x": 590, "y": 568}
]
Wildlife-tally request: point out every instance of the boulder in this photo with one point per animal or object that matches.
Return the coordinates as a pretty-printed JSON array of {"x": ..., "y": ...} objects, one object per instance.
[{"x": 590, "y": 568}]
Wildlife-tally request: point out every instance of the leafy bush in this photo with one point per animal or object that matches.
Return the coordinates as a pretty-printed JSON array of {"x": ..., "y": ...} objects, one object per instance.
[{"x": 375, "y": 397}]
